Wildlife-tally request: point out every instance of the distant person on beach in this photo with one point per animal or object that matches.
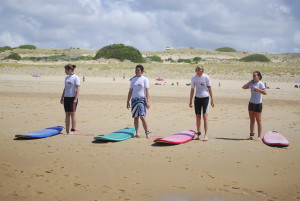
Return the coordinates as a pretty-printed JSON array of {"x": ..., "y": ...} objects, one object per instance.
[
  {"x": 124, "y": 76},
  {"x": 139, "y": 95},
  {"x": 203, "y": 96},
  {"x": 83, "y": 78},
  {"x": 255, "y": 104},
  {"x": 70, "y": 97},
  {"x": 219, "y": 84},
  {"x": 177, "y": 83}
]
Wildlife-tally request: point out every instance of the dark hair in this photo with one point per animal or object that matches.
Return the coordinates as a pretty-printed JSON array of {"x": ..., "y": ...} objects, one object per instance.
[
  {"x": 258, "y": 74},
  {"x": 140, "y": 67},
  {"x": 70, "y": 66}
]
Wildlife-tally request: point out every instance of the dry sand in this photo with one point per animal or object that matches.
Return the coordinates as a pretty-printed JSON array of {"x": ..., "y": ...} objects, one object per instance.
[{"x": 73, "y": 167}]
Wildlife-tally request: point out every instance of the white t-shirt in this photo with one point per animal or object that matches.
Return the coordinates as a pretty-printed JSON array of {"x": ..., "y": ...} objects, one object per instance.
[
  {"x": 256, "y": 97},
  {"x": 71, "y": 82},
  {"x": 201, "y": 84},
  {"x": 139, "y": 84}
]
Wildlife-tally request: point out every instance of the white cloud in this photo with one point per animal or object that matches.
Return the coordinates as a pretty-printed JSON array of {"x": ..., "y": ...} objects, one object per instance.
[{"x": 255, "y": 25}]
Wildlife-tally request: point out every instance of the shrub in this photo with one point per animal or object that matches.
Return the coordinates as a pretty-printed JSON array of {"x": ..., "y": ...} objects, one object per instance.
[
  {"x": 14, "y": 56},
  {"x": 225, "y": 49},
  {"x": 255, "y": 57},
  {"x": 196, "y": 59},
  {"x": 120, "y": 52},
  {"x": 155, "y": 58},
  {"x": 4, "y": 48},
  {"x": 184, "y": 61},
  {"x": 170, "y": 59},
  {"x": 31, "y": 47}
]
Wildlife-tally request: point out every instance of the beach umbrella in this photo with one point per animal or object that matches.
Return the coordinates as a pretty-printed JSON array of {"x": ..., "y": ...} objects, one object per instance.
[
  {"x": 160, "y": 79},
  {"x": 297, "y": 81}
]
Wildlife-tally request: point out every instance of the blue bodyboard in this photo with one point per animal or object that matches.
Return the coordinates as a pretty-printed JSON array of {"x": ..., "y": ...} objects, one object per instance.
[{"x": 47, "y": 132}]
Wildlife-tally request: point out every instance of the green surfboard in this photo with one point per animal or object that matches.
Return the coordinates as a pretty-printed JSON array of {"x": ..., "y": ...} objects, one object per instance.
[{"x": 116, "y": 136}]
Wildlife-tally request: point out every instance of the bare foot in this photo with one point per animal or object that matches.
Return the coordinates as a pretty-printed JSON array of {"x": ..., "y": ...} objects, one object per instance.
[
  {"x": 197, "y": 138},
  {"x": 136, "y": 136},
  {"x": 205, "y": 138},
  {"x": 258, "y": 139},
  {"x": 147, "y": 136}
]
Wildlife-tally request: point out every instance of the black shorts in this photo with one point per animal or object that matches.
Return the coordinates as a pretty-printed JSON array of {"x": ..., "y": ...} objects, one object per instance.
[
  {"x": 201, "y": 104},
  {"x": 255, "y": 107},
  {"x": 69, "y": 104}
]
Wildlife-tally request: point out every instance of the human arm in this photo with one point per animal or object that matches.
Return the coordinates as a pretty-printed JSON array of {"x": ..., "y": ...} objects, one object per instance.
[
  {"x": 147, "y": 98},
  {"x": 246, "y": 86},
  {"x": 129, "y": 97},
  {"x": 191, "y": 97},
  {"x": 62, "y": 97},
  {"x": 211, "y": 96},
  {"x": 262, "y": 91},
  {"x": 77, "y": 94}
]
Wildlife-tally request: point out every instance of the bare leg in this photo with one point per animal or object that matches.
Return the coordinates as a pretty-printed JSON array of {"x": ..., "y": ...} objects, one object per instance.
[
  {"x": 73, "y": 119},
  {"x": 67, "y": 120},
  {"x": 145, "y": 125},
  {"x": 136, "y": 126},
  {"x": 205, "y": 127},
  {"x": 198, "y": 124},
  {"x": 259, "y": 125},
  {"x": 252, "y": 123}
]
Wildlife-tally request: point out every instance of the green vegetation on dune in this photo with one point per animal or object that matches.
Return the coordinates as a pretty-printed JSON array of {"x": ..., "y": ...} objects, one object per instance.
[
  {"x": 30, "y": 47},
  {"x": 14, "y": 56},
  {"x": 225, "y": 49},
  {"x": 62, "y": 57},
  {"x": 4, "y": 48},
  {"x": 255, "y": 57},
  {"x": 120, "y": 52},
  {"x": 155, "y": 58}
]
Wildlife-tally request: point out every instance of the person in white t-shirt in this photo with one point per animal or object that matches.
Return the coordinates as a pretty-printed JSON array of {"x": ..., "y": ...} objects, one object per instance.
[
  {"x": 203, "y": 96},
  {"x": 70, "y": 97},
  {"x": 139, "y": 96},
  {"x": 255, "y": 104}
]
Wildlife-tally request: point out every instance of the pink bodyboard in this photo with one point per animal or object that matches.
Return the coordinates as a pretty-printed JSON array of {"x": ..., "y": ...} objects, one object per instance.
[
  {"x": 178, "y": 138},
  {"x": 273, "y": 138}
]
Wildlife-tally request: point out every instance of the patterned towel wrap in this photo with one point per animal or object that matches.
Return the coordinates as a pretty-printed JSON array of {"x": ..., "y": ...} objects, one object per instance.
[{"x": 138, "y": 107}]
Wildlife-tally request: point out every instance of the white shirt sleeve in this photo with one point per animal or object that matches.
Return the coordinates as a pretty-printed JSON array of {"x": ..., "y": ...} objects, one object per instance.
[
  {"x": 77, "y": 81},
  {"x": 146, "y": 83},
  {"x": 192, "y": 83},
  {"x": 208, "y": 82}
]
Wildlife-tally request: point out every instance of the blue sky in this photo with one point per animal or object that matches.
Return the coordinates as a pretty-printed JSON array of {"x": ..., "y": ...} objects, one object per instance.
[{"x": 258, "y": 25}]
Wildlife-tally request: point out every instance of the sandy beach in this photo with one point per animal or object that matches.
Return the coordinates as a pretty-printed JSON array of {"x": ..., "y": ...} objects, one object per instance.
[{"x": 74, "y": 167}]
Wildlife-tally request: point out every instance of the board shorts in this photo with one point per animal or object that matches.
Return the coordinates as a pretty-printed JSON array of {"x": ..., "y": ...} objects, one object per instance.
[
  {"x": 69, "y": 104},
  {"x": 255, "y": 107},
  {"x": 201, "y": 104},
  {"x": 138, "y": 107}
]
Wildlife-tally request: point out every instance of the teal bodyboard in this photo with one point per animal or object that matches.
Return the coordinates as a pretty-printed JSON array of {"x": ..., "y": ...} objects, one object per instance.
[{"x": 116, "y": 136}]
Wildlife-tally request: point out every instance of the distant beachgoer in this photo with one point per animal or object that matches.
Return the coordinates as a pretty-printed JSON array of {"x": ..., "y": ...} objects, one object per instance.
[
  {"x": 70, "y": 96},
  {"x": 124, "y": 77},
  {"x": 172, "y": 84},
  {"x": 296, "y": 86},
  {"x": 219, "y": 84},
  {"x": 114, "y": 79},
  {"x": 177, "y": 83},
  {"x": 255, "y": 104},
  {"x": 139, "y": 95},
  {"x": 203, "y": 96},
  {"x": 83, "y": 79}
]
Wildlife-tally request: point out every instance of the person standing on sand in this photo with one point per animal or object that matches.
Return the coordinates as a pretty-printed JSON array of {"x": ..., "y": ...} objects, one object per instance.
[
  {"x": 255, "y": 104},
  {"x": 139, "y": 95},
  {"x": 70, "y": 96},
  {"x": 202, "y": 98}
]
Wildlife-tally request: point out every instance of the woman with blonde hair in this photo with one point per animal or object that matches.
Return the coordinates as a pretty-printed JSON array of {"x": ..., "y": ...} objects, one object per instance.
[{"x": 203, "y": 96}]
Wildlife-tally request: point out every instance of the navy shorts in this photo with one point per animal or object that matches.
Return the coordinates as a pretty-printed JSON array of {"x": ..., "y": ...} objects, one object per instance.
[
  {"x": 69, "y": 104},
  {"x": 201, "y": 104},
  {"x": 255, "y": 107}
]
